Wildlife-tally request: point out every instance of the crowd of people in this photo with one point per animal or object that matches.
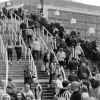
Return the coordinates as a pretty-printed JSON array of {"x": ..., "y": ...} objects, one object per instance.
[
  {"x": 26, "y": 93},
  {"x": 73, "y": 54}
]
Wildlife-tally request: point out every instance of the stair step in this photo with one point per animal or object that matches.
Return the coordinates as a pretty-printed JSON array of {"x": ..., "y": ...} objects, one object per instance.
[{"x": 16, "y": 70}]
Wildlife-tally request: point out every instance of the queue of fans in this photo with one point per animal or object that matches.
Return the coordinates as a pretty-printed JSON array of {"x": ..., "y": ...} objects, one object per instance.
[{"x": 73, "y": 53}]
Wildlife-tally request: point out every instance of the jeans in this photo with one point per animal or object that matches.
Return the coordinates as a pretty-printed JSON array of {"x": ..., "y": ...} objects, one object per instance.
[
  {"x": 35, "y": 54},
  {"x": 19, "y": 55},
  {"x": 10, "y": 55},
  {"x": 29, "y": 38}
]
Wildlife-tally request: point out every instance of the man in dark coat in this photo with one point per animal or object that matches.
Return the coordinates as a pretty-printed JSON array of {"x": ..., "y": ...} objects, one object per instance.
[
  {"x": 28, "y": 75},
  {"x": 73, "y": 77},
  {"x": 73, "y": 64},
  {"x": 83, "y": 60},
  {"x": 23, "y": 27},
  {"x": 83, "y": 69},
  {"x": 68, "y": 41}
]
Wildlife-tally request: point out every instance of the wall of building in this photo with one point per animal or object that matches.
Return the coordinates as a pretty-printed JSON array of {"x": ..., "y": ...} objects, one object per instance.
[
  {"x": 85, "y": 20},
  {"x": 75, "y": 5}
]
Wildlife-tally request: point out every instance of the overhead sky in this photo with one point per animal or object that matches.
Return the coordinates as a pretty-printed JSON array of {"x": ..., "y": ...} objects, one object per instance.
[
  {"x": 91, "y": 2},
  {"x": 3, "y": 0}
]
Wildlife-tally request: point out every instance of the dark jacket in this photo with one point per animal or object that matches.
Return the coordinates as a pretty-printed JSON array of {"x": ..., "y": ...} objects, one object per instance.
[
  {"x": 83, "y": 70},
  {"x": 73, "y": 42},
  {"x": 72, "y": 77},
  {"x": 76, "y": 95},
  {"x": 73, "y": 65},
  {"x": 18, "y": 49},
  {"x": 62, "y": 45},
  {"x": 13, "y": 95},
  {"x": 51, "y": 57},
  {"x": 23, "y": 26},
  {"x": 83, "y": 60},
  {"x": 27, "y": 76}
]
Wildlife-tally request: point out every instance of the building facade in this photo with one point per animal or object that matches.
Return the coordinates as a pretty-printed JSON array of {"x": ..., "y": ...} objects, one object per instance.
[{"x": 86, "y": 16}]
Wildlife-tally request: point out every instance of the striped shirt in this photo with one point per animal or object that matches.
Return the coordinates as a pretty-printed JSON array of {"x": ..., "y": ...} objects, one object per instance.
[{"x": 64, "y": 96}]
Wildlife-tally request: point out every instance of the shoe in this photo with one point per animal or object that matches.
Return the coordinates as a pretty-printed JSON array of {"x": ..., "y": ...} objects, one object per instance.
[
  {"x": 20, "y": 60},
  {"x": 48, "y": 73},
  {"x": 17, "y": 62}
]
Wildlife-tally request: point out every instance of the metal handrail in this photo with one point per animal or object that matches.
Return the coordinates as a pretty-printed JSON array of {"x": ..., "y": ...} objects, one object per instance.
[
  {"x": 20, "y": 20},
  {"x": 6, "y": 19},
  {"x": 5, "y": 57},
  {"x": 48, "y": 33},
  {"x": 16, "y": 16},
  {"x": 31, "y": 60}
]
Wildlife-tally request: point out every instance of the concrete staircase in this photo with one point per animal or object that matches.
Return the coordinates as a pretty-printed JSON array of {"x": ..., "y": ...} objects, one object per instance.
[{"x": 16, "y": 71}]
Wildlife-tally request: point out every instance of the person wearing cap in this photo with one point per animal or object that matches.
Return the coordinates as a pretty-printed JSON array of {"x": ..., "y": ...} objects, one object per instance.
[{"x": 61, "y": 57}]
